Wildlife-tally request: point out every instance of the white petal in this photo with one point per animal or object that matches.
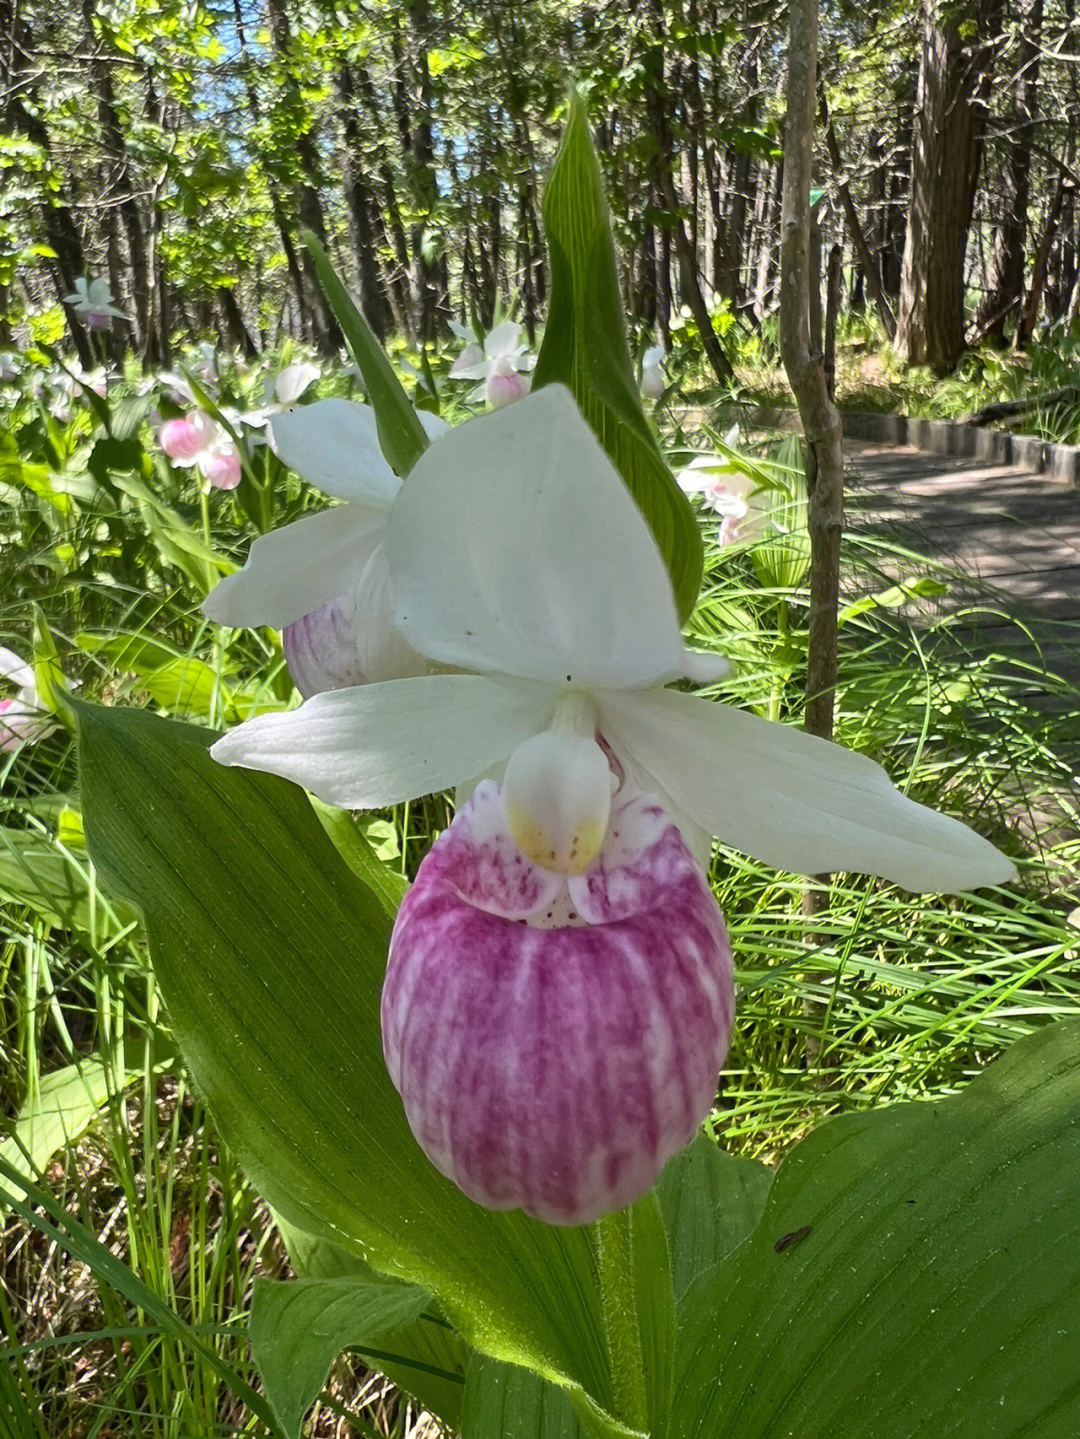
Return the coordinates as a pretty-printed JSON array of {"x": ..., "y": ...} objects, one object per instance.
[
  {"x": 432, "y": 425},
  {"x": 516, "y": 547},
  {"x": 380, "y": 744},
  {"x": 383, "y": 651},
  {"x": 653, "y": 356},
  {"x": 293, "y": 381},
  {"x": 334, "y": 444},
  {"x": 793, "y": 800},
  {"x": 470, "y": 358},
  {"x": 461, "y": 331},
  {"x": 16, "y": 670},
  {"x": 473, "y": 370},
  {"x": 503, "y": 340},
  {"x": 296, "y": 569}
]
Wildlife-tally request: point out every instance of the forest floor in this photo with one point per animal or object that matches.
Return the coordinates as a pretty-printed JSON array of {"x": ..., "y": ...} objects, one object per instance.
[{"x": 1009, "y": 541}]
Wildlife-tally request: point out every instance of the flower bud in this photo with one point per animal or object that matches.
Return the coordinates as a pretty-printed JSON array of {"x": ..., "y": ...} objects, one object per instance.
[{"x": 183, "y": 440}]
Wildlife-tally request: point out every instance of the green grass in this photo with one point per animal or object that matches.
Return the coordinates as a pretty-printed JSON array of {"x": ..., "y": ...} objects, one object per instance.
[{"x": 125, "y": 1278}]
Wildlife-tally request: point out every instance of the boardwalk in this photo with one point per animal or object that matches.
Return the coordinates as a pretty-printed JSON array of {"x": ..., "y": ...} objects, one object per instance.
[{"x": 1015, "y": 537}]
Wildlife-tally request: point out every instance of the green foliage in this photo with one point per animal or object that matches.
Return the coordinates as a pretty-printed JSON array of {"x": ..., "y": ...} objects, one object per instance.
[
  {"x": 585, "y": 348},
  {"x": 297, "y": 1084},
  {"x": 914, "y": 1266}
]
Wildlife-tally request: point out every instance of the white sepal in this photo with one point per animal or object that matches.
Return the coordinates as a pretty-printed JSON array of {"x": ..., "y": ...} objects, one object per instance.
[
  {"x": 516, "y": 548},
  {"x": 334, "y": 445},
  {"x": 379, "y": 744},
  {"x": 792, "y": 800}
]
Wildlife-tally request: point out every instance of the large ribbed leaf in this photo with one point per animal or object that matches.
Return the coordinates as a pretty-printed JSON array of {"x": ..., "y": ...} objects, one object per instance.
[
  {"x": 585, "y": 348},
  {"x": 916, "y": 1271},
  {"x": 270, "y": 952},
  {"x": 502, "y": 1400}
]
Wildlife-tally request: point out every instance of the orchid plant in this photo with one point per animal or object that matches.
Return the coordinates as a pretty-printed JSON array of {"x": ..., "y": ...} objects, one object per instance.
[
  {"x": 476, "y": 1107},
  {"x": 501, "y": 363},
  {"x": 91, "y": 303}
]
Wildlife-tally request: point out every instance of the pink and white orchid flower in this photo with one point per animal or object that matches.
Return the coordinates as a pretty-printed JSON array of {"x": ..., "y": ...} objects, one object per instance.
[
  {"x": 281, "y": 391},
  {"x": 734, "y": 495},
  {"x": 501, "y": 365},
  {"x": 197, "y": 440},
  {"x": 24, "y": 718},
  {"x": 91, "y": 300},
  {"x": 560, "y": 943},
  {"x": 322, "y": 580}
]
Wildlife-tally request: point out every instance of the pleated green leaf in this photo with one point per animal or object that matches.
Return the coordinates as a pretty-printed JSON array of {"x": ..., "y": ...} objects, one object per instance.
[
  {"x": 270, "y": 953},
  {"x": 505, "y": 1402},
  {"x": 300, "y": 1326},
  {"x": 585, "y": 348},
  {"x": 711, "y": 1203},
  {"x": 916, "y": 1271}
]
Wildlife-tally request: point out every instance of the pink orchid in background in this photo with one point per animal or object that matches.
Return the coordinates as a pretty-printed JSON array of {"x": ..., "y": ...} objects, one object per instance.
[
  {"x": 501, "y": 364},
  {"x": 653, "y": 380},
  {"x": 24, "y": 718},
  {"x": 197, "y": 440},
  {"x": 92, "y": 303},
  {"x": 323, "y": 581},
  {"x": 560, "y": 942}
]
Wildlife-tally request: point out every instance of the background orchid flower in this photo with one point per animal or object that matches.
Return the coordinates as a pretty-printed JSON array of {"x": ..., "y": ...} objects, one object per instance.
[
  {"x": 197, "y": 440},
  {"x": 653, "y": 379},
  {"x": 565, "y": 614},
  {"x": 24, "y": 718},
  {"x": 732, "y": 493},
  {"x": 91, "y": 301},
  {"x": 282, "y": 390},
  {"x": 323, "y": 579},
  {"x": 10, "y": 365},
  {"x": 501, "y": 365}
]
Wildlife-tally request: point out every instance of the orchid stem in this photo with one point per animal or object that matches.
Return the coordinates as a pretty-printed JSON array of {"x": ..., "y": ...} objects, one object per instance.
[{"x": 621, "y": 1329}]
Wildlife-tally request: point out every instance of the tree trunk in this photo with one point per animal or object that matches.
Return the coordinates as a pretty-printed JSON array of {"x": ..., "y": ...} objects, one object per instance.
[
  {"x": 1005, "y": 287},
  {"x": 806, "y": 372},
  {"x": 324, "y": 328},
  {"x": 867, "y": 263},
  {"x": 954, "y": 77},
  {"x": 360, "y": 204}
]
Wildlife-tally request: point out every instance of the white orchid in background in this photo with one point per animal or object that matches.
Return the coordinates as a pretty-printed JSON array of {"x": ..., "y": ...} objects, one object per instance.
[
  {"x": 323, "y": 580},
  {"x": 502, "y": 364},
  {"x": 10, "y": 366},
  {"x": 653, "y": 379},
  {"x": 567, "y": 882},
  {"x": 736, "y": 497},
  {"x": 280, "y": 391},
  {"x": 24, "y": 717},
  {"x": 91, "y": 301}
]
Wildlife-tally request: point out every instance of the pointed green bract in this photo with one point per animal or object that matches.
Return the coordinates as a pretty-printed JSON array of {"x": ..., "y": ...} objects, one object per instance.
[
  {"x": 299, "y": 1327},
  {"x": 915, "y": 1270},
  {"x": 270, "y": 953},
  {"x": 585, "y": 348},
  {"x": 401, "y": 435}
]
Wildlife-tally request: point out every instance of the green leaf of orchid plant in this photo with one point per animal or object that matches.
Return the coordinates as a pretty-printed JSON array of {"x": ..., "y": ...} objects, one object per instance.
[
  {"x": 401, "y": 434},
  {"x": 916, "y": 1270},
  {"x": 585, "y": 348},
  {"x": 270, "y": 953},
  {"x": 299, "y": 1327}
]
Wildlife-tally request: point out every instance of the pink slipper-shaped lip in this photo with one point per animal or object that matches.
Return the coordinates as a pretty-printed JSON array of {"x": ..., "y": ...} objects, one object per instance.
[{"x": 555, "y": 1040}]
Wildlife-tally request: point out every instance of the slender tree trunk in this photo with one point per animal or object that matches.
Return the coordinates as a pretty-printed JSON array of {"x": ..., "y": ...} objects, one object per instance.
[
  {"x": 867, "y": 264},
  {"x": 806, "y": 371},
  {"x": 1005, "y": 287},
  {"x": 325, "y": 330},
  {"x": 360, "y": 204},
  {"x": 1030, "y": 314}
]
